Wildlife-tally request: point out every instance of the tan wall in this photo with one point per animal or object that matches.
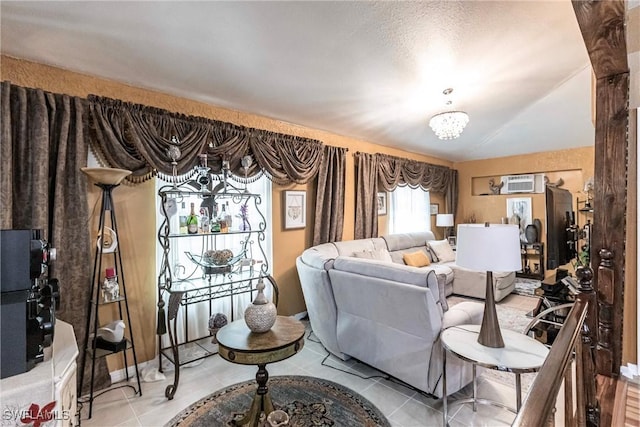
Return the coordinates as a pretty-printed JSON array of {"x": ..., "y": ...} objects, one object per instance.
[
  {"x": 136, "y": 205},
  {"x": 573, "y": 166}
]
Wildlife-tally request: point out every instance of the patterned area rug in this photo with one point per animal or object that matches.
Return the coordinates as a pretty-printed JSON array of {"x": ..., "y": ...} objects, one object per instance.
[
  {"x": 308, "y": 401},
  {"x": 525, "y": 286}
]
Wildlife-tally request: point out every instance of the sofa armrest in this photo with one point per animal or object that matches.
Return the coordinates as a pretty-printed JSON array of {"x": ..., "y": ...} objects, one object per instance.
[{"x": 320, "y": 256}]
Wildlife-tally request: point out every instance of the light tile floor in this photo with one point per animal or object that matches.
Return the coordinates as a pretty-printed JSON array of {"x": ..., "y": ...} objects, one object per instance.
[{"x": 402, "y": 406}]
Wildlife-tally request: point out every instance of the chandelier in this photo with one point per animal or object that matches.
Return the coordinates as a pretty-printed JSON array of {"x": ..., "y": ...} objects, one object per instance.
[{"x": 450, "y": 124}]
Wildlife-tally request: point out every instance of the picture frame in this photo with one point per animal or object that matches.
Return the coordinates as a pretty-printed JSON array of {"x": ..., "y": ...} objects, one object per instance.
[
  {"x": 522, "y": 208},
  {"x": 294, "y": 209},
  {"x": 381, "y": 200},
  {"x": 452, "y": 241},
  {"x": 434, "y": 208}
]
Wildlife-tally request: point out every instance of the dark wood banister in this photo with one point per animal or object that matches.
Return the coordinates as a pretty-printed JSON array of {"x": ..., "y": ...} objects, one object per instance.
[{"x": 541, "y": 400}]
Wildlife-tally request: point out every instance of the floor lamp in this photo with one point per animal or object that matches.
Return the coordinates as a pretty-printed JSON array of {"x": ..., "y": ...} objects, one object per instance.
[{"x": 489, "y": 248}]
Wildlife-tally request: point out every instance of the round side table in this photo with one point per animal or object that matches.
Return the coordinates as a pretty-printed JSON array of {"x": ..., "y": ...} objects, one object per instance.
[
  {"x": 237, "y": 344},
  {"x": 520, "y": 354}
]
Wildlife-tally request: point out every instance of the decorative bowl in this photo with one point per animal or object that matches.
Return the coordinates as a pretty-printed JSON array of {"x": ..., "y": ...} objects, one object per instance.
[
  {"x": 220, "y": 257},
  {"x": 110, "y": 176}
]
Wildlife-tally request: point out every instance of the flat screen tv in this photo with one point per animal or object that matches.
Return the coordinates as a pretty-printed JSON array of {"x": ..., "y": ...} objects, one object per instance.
[{"x": 559, "y": 204}]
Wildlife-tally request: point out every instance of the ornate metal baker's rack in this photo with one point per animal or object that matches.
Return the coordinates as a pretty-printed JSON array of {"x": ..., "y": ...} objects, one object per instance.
[{"x": 202, "y": 279}]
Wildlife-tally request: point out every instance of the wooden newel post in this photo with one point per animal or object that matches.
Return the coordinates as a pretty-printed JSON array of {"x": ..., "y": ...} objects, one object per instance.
[{"x": 588, "y": 406}]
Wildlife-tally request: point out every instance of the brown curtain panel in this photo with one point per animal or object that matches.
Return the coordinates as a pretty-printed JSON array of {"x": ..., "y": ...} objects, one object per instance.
[
  {"x": 329, "y": 222},
  {"x": 366, "y": 224},
  {"x": 43, "y": 148}
]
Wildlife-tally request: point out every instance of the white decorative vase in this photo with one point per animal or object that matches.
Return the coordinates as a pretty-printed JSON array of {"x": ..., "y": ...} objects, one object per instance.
[{"x": 261, "y": 314}]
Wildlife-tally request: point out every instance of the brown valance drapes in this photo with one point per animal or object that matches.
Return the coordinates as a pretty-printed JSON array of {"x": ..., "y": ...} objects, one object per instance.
[
  {"x": 136, "y": 137},
  {"x": 385, "y": 172}
]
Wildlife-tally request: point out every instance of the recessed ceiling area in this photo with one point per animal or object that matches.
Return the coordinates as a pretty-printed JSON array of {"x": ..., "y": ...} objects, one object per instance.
[{"x": 369, "y": 70}]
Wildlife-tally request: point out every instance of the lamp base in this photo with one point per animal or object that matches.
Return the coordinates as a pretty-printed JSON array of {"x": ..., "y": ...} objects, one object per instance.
[{"x": 490, "y": 335}]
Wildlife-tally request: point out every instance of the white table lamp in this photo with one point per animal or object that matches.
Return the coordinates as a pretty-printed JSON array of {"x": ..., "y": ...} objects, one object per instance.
[
  {"x": 489, "y": 248},
  {"x": 446, "y": 221}
]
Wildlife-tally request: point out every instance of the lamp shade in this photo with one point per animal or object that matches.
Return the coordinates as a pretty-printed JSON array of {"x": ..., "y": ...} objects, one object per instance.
[
  {"x": 495, "y": 247},
  {"x": 444, "y": 220}
]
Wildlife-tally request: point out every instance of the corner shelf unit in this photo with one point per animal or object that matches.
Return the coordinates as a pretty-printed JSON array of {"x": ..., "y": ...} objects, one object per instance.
[
  {"x": 183, "y": 282},
  {"x": 91, "y": 350},
  {"x": 532, "y": 253}
]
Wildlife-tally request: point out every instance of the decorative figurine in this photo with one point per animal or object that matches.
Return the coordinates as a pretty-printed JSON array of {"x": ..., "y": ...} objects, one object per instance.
[
  {"x": 216, "y": 322},
  {"x": 495, "y": 189},
  {"x": 110, "y": 287}
]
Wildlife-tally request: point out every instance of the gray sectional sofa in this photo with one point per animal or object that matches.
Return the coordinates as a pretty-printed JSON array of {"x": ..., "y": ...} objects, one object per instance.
[{"x": 388, "y": 314}]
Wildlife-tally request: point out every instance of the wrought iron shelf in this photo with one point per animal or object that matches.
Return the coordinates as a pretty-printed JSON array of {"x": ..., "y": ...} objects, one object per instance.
[{"x": 194, "y": 269}]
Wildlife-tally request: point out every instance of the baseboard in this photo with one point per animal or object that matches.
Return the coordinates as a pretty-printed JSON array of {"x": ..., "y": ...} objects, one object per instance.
[{"x": 121, "y": 374}]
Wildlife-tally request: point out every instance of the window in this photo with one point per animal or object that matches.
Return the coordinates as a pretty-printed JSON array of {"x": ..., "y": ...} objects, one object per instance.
[
  {"x": 409, "y": 210},
  {"x": 179, "y": 260}
]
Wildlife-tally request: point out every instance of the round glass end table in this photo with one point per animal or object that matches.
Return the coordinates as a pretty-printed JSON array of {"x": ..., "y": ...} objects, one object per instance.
[{"x": 521, "y": 354}]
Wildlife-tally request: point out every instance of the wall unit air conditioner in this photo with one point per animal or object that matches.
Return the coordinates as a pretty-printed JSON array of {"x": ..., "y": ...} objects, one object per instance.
[{"x": 527, "y": 183}]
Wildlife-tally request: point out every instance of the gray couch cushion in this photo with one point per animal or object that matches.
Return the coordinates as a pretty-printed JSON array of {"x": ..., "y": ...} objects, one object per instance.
[
  {"x": 407, "y": 240},
  {"x": 349, "y": 247},
  {"x": 379, "y": 254}
]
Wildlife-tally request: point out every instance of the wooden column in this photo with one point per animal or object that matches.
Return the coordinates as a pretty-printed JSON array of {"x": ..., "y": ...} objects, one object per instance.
[{"x": 602, "y": 27}]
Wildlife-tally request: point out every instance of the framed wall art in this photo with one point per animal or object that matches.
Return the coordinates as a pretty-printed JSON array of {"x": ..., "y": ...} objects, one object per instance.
[
  {"x": 295, "y": 209},
  {"x": 381, "y": 199},
  {"x": 434, "y": 208},
  {"x": 519, "y": 212}
]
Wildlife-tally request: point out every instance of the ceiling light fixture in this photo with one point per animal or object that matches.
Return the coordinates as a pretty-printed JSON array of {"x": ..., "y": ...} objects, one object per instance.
[{"x": 450, "y": 124}]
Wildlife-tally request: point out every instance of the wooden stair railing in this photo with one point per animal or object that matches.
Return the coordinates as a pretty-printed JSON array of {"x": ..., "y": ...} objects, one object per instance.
[{"x": 573, "y": 343}]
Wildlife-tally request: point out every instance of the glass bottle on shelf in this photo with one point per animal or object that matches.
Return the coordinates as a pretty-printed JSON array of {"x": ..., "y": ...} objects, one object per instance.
[
  {"x": 204, "y": 220},
  {"x": 229, "y": 217},
  {"x": 192, "y": 221},
  {"x": 183, "y": 219},
  {"x": 222, "y": 220},
  {"x": 215, "y": 224}
]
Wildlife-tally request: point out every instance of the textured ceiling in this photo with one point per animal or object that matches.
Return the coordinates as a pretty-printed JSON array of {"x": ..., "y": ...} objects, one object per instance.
[{"x": 370, "y": 70}]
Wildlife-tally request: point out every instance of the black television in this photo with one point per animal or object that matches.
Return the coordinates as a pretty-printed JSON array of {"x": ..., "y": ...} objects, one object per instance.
[{"x": 560, "y": 214}]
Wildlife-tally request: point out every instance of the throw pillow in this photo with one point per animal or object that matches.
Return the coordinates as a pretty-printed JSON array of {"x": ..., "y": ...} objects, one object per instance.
[
  {"x": 416, "y": 259},
  {"x": 378, "y": 254},
  {"x": 443, "y": 250},
  {"x": 432, "y": 255}
]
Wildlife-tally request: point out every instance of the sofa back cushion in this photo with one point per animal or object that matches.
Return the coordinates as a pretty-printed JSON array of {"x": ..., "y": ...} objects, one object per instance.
[
  {"x": 396, "y": 242},
  {"x": 379, "y": 254},
  {"x": 349, "y": 247}
]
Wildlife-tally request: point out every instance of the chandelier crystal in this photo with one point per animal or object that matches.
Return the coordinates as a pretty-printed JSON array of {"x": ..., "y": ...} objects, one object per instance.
[{"x": 449, "y": 125}]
